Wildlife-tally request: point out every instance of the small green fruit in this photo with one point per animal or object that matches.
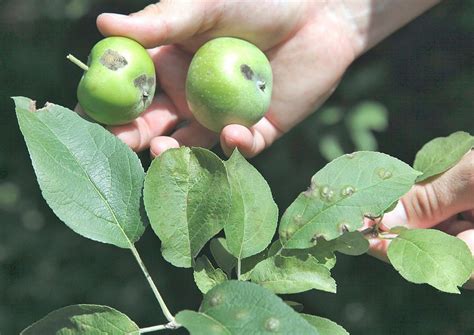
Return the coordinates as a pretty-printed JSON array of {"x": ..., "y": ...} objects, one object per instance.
[
  {"x": 118, "y": 83},
  {"x": 229, "y": 81}
]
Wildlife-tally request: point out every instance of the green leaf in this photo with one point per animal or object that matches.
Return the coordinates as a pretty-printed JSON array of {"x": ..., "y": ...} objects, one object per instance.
[
  {"x": 187, "y": 198},
  {"x": 325, "y": 326},
  {"x": 206, "y": 276},
  {"x": 90, "y": 179},
  {"x": 253, "y": 217},
  {"x": 364, "y": 140},
  {"x": 341, "y": 194},
  {"x": 222, "y": 255},
  {"x": 285, "y": 275},
  {"x": 83, "y": 319},
  {"x": 249, "y": 263},
  {"x": 323, "y": 252},
  {"x": 432, "y": 257},
  {"x": 242, "y": 308},
  {"x": 368, "y": 115},
  {"x": 442, "y": 153},
  {"x": 329, "y": 116},
  {"x": 351, "y": 243},
  {"x": 330, "y": 147},
  {"x": 297, "y": 306},
  {"x": 397, "y": 229},
  {"x": 202, "y": 324}
]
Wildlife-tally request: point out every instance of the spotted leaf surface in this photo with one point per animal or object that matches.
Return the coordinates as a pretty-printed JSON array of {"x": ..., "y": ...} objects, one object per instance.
[
  {"x": 242, "y": 308},
  {"x": 341, "y": 194},
  {"x": 325, "y": 326}
]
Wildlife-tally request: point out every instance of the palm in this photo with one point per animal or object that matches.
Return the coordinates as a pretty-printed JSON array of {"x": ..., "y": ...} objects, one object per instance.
[{"x": 306, "y": 47}]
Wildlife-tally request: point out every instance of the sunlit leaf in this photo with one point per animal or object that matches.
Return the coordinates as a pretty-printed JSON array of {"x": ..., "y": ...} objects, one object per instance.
[
  {"x": 432, "y": 257},
  {"x": 206, "y": 276},
  {"x": 368, "y": 115},
  {"x": 325, "y": 326},
  {"x": 330, "y": 147},
  {"x": 90, "y": 179},
  {"x": 253, "y": 217},
  {"x": 285, "y": 275},
  {"x": 187, "y": 198},
  {"x": 242, "y": 308},
  {"x": 83, "y": 320},
  {"x": 341, "y": 194},
  {"x": 442, "y": 153}
]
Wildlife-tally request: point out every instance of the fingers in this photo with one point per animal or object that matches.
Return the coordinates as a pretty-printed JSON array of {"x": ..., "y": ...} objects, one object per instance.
[
  {"x": 160, "y": 118},
  {"x": 168, "y": 109},
  {"x": 437, "y": 199},
  {"x": 192, "y": 135},
  {"x": 171, "y": 66},
  {"x": 436, "y": 203},
  {"x": 162, "y": 23},
  {"x": 468, "y": 237},
  {"x": 250, "y": 142}
]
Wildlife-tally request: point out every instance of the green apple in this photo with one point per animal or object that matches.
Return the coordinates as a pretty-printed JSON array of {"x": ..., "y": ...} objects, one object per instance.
[
  {"x": 118, "y": 83},
  {"x": 229, "y": 81}
]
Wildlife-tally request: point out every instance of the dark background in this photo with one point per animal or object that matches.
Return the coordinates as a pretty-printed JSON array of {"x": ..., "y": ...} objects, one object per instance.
[{"x": 423, "y": 75}]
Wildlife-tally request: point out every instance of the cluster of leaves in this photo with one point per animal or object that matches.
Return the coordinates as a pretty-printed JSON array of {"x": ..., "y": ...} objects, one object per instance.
[{"x": 93, "y": 182}]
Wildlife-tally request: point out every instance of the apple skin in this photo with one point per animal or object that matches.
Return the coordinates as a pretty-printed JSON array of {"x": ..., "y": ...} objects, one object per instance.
[
  {"x": 229, "y": 81},
  {"x": 120, "y": 82}
]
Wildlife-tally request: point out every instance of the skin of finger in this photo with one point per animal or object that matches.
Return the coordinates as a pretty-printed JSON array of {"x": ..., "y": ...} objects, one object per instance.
[
  {"x": 468, "y": 237},
  {"x": 193, "y": 23},
  {"x": 295, "y": 93},
  {"x": 196, "y": 135},
  {"x": 249, "y": 141},
  {"x": 171, "y": 65},
  {"x": 440, "y": 197},
  {"x": 159, "y": 24},
  {"x": 160, "y": 144},
  {"x": 160, "y": 118},
  {"x": 378, "y": 247}
]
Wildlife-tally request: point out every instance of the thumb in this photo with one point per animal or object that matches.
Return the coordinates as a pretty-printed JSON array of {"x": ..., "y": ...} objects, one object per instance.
[
  {"x": 437, "y": 198},
  {"x": 162, "y": 23}
]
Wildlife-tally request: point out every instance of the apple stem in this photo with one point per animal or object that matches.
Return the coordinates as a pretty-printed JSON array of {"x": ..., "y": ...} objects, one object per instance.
[{"x": 77, "y": 62}]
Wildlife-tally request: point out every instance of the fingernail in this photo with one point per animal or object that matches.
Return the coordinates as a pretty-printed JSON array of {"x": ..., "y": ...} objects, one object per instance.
[
  {"x": 114, "y": 15},
  {"x": 396, "y": 218}
]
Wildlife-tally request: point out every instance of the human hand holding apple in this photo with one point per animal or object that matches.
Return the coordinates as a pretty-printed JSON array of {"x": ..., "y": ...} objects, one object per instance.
[
  {"x": 309, "y": 44},
  {"x": 287, "y": 36}
]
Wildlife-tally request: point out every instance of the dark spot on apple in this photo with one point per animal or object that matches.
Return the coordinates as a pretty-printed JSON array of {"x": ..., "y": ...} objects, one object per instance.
[
  {"x": 261, "y": 85},
  {"x": 246, "y": 71},
  {"x": 146, "y": 85},
  {"x": 112, "y": 60}
]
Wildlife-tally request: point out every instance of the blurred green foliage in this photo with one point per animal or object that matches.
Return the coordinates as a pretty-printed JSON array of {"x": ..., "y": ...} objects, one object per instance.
[{"x": 421, "y": 79}]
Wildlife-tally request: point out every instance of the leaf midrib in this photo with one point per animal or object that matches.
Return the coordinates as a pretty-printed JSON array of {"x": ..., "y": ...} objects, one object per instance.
[
  {"x": 310, "y": 221},
  {"x": 87, "y": 176}
]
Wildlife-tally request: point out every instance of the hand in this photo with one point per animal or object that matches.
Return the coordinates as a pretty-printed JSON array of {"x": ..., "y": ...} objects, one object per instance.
[
  {"x": 309, "y": 46},
  {"x": 444, "y": 202},
  {"x": 309, "y": 43}
]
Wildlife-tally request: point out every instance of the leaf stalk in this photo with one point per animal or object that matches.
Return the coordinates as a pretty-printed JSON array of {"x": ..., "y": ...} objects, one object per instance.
[{"x": 163, "y": 306}]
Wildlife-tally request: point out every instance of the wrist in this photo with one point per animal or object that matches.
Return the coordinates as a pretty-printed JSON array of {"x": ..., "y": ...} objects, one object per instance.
[{"x": 369, "y": 22}]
